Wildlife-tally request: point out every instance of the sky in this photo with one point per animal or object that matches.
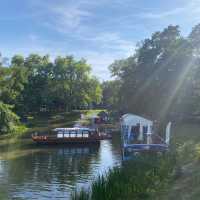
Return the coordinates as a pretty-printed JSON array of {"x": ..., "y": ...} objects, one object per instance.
[{"x": 100, "y": 31}]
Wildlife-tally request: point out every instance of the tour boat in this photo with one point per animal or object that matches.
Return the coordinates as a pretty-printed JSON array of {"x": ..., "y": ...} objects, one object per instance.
[
  {"x": 139, "y": 134},
  {"x": 70, "y": 135}
]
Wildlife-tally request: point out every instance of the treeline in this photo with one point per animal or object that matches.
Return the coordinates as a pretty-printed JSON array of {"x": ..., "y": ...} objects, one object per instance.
[
  {"x": 161, "y": 79},
  {"x": 37, "y": 84}
]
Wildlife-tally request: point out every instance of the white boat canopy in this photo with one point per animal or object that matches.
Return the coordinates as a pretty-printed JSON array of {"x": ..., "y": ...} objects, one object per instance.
[
  {"x": 134, "y": 123},
  {"x": 132, "y": 120},
  {"x": 138, "y": 134}
]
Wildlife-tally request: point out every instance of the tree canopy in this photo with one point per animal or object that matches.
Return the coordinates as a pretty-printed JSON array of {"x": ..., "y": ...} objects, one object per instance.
[
  {"x": 35, "y": 83},
  {"x": 8, "y": 119},
  {"x": 161, "y": 78}
]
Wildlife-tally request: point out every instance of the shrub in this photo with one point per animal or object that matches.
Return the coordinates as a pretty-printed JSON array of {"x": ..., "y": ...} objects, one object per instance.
[{"x": 9, "y": 121}]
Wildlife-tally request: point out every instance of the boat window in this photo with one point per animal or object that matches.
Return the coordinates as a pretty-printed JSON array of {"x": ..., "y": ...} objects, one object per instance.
[
  {"x": 73, "y": 133},
  {"x": 79, "y": 135},
  {"x": 60, "y": 135},
  {"x": 85, "y": 132},
  {"x": 66, "y": 135},
  {"x": 86, "y": 135}
]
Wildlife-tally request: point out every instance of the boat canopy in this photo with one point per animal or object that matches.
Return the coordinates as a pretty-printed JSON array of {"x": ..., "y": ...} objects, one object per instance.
[
  {"x": 73, "y": 129},
  {"x": 136, "y": 129},
  {"x": 132, "y": 120},
  {"x": 138, "y": 134}
]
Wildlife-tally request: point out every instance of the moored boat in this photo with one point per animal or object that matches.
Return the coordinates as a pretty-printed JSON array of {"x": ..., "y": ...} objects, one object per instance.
[
  {"x": 138, "y": 136},
  {"x": 70, "y": 135}
]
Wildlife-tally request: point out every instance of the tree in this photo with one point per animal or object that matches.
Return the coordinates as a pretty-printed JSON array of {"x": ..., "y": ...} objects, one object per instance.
[
  {"x": 111, "y": 98},
  {"x": 12, "y": 82},
  {"x": 33, "y": 83},
  {"x": 64, "y": 84},
  {"x": 162, "y": 77},
  {"x": 8, "y": 119}
]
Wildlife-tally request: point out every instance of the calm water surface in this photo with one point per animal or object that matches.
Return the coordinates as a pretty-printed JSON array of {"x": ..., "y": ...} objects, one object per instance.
[{"x": 29, "y": 171}]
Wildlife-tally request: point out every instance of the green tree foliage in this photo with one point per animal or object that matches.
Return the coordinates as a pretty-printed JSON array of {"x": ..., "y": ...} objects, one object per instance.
[
  {"x": 162, "y": 77},
  {"x": 110, "y": 94},
  {"x": 8, "y": 119},
  {"x": 36, "y": 83}
]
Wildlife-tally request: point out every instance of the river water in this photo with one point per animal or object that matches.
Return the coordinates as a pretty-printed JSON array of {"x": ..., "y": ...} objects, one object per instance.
[{"x": 29, "y": 171}]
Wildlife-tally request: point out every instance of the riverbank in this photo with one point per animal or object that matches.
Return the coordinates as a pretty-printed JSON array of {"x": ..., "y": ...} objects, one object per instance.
[
  {"x": 173, "y": 176},
  {"x": 187, "y": 143},
  {"x": 177, "y": 178},
  {"x": 44, "y": 122},
  {"x": 141, "y": 179},
  {"x": 47, "y": 121}
]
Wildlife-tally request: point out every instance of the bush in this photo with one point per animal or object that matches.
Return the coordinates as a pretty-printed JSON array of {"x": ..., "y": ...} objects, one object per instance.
[{"x": 9, "y": 121}]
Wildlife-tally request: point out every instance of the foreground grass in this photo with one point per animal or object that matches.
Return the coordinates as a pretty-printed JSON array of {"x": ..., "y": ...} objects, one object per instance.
[
  {"x": 187, "y": 143},
  {"x": 142, "y": 178}
]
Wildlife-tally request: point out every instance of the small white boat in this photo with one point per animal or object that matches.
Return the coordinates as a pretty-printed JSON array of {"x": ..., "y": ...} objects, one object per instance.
[{"x": 138, "y": 134}]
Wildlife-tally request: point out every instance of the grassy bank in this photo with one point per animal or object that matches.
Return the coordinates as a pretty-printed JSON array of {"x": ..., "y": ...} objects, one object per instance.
[
  {"x": 187, "y": 185},
  {"x": 142, "y": 178},
  {"x": 44, "y": 122},
  {"x": 47, "y": 122},
  {"x": 172, "y": 176}
]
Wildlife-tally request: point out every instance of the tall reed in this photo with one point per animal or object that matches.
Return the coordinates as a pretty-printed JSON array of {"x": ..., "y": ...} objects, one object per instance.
[{"x": 141, "y": 178}]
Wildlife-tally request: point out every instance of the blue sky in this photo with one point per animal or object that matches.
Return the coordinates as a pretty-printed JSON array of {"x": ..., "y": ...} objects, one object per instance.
[{"x": 98, "y": 30}]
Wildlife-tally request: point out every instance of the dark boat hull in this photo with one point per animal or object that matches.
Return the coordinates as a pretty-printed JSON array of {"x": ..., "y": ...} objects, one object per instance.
[
  {"x": 131, "y": 151},
  {"x": 47, "y": 140}
]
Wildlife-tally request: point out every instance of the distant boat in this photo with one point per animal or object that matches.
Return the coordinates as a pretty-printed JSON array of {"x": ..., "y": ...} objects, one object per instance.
[
  {"x": 70, "y": 136},
  {"x": 138, "y": 135}
]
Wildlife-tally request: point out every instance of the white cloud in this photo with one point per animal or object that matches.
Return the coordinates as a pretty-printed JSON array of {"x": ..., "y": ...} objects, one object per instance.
[
  {"x": 153, "y": 15},
  {"x": 188, "y": 8},
  {"x": 112, "y": 41},
  {"x": 63, "y": 16},
  {"x": 67, "y": 18}
]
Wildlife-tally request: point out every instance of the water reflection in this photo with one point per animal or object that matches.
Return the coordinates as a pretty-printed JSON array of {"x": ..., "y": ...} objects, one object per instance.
[{"x": 40, "y": 172}]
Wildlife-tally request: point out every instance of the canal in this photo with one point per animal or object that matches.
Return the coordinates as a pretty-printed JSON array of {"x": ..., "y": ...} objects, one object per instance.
[{"x": 29, "y": 171}]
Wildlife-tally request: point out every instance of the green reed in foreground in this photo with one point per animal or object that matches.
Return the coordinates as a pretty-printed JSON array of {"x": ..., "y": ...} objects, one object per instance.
[{"x": 142, "y": 178}]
